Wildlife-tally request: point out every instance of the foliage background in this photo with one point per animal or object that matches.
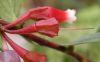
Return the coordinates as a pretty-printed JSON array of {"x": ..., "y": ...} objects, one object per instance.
[{"x": 88, "y": 14}]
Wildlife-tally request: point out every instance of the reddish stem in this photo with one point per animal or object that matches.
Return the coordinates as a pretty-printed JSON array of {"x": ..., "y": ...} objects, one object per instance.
[
  {"x": 58, "y": 47},
  {"x": 44, "y": 42}
]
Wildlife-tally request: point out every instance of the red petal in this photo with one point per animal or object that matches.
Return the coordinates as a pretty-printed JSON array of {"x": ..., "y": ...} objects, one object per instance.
[
  {"x": 60, "y": 15},
  {"x": 48, "y": 27},
  {"x": 48, "y": 12},
  {"x": 40, "y": 13}
]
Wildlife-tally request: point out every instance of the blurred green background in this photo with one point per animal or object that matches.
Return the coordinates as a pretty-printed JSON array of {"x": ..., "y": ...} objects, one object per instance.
[{"x": 88, "y": 16}]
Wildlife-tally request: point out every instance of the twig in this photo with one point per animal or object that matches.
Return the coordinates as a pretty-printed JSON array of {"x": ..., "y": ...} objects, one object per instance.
[{"x": 58, "y": 47}]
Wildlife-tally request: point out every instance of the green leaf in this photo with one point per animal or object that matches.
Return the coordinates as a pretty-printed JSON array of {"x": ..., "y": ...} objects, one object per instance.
[
  {"x": 17, "y": 5},
  {"x": 10, "y": 9},
  {"x": 87, "y": 39},
  {"x": 94, "y": 49}
]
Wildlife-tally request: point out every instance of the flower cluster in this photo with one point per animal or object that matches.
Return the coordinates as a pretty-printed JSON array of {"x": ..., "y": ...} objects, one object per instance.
[{"x": 47, "y": 20}]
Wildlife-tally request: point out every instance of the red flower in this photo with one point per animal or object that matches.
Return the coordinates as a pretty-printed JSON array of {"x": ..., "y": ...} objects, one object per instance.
[
  {"x": 43, "y": 13},
  {"x": 47, "y": 12},
  {"x": 49, "y": 27},
  {"x": 25, "y": 54},
  {"x": 47, "y": 23}
]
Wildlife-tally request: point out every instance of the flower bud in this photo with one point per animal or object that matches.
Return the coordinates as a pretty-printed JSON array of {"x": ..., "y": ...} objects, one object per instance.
[{"x": 49, "y": 27}]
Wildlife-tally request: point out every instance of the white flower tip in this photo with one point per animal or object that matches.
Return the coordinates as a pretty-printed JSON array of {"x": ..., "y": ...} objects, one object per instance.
[{"x": 71, "y": 15}]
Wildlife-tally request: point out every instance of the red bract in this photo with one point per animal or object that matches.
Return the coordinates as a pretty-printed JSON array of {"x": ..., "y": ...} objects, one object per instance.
[
  {"x": 25, "y": 54},
  {"x": 43, "y": 13},
  {"x": 49, "y": 27}
]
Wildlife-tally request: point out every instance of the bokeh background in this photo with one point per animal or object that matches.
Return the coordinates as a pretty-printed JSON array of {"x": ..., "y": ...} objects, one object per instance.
[{"x": 88, "y": 16}]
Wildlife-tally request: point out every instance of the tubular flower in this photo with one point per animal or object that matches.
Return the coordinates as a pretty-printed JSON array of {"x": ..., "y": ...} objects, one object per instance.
[
  {"x": 49, "y": 12},
  {"x": 25, "y": 54},
  {"x": 43, "y": 13},
  {"x": 49, "y": 27}
]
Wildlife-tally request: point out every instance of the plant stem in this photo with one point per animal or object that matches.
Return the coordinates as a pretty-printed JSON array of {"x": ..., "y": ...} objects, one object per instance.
[{"x": 58, "y": 47}]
